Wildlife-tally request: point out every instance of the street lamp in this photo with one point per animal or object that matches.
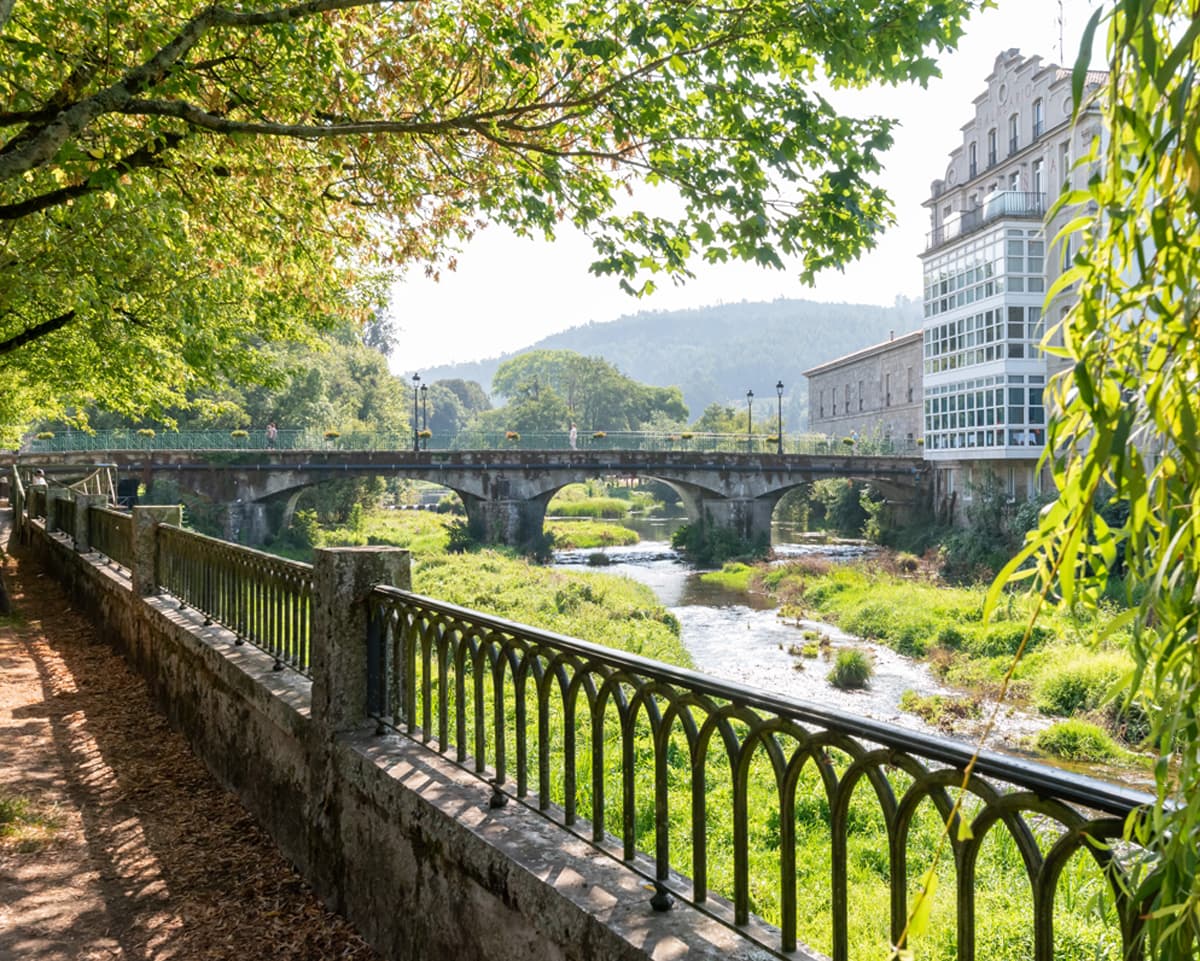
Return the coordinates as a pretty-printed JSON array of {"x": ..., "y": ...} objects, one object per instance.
[
  {"x": 416, "y": 426},
  {"x": 779, "y": 431},
  {"x": 750, "y": 421},
  {"x": 424, "y": 414}
]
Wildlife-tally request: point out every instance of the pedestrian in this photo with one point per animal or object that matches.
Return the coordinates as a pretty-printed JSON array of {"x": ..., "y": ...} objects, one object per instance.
[
  {"x": 272, "y": 434},
  {"x": 573, "y": 436},
  {"x": 39, "y": 479}
]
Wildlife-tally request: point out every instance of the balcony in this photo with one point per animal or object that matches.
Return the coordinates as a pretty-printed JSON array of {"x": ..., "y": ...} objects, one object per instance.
[{"x": 1017, "y": 204}]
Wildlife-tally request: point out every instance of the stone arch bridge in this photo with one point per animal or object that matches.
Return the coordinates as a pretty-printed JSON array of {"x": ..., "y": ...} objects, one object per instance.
[{"x": 506, "y": 492}]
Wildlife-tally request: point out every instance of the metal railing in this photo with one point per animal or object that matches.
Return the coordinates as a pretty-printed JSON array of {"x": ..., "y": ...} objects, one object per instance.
[
  {"x": 570, "y": 725},
  {"x": 111, "y": 533},
  {"x": 64, "y": 511},
  {"x": 263, "y": 599},
  {"x": 1004, "y": 203},
  {"x": 306, "y": 440}
]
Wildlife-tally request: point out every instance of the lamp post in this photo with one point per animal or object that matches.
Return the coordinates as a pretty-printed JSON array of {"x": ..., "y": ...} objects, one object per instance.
[
  {"x": 779, "y": 428},
  {"x": 416, "y": 426},
  {"x": 424, "y": 415},
  {"x": 750, "y": 421}
]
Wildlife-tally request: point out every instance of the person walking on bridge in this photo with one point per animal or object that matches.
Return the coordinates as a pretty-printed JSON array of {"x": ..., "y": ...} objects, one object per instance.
[
  {"x": 272, "y": 435},
  {"x": 573, "y": 436}
]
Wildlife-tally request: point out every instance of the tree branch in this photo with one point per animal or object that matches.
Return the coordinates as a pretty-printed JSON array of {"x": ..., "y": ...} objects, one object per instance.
[
  {"x": 33, "y": 333},
  {"x": 149, "y": 155}
]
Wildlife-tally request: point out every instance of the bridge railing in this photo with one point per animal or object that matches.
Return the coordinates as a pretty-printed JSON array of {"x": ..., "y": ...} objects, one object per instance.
[
  {"x": 316, "y": 440},
  {"x": 261, "y": 598},
  {"x": 690, "y": 770},
  {"x": 110, "y": 533}
]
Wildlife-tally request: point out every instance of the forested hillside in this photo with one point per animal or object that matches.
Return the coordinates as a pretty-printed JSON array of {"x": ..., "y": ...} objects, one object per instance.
[{"x": 717, "y": 353}]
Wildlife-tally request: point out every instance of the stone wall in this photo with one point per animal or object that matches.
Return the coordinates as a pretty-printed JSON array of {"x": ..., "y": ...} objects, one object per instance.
[{"x": 395, "y": 838}]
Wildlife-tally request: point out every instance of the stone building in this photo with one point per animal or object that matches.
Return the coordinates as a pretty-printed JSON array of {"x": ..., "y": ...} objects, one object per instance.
[
  {"x": 988, "y": 262},
  {"x": 873, "y": 393}
]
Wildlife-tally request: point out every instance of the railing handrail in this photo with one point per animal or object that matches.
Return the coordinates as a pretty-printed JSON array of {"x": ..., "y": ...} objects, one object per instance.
[
  {"x": 273, "y": 559},
  {"x": 1079, "y": 789},
  {"x": 762, "y": 441}
]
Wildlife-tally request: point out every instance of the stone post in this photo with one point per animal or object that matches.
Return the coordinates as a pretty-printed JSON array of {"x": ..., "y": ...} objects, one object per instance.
[
  {"x": 83, "y": 505},
  {"x": 145, "y": 545},
  {"x": 343, "y": 577}
]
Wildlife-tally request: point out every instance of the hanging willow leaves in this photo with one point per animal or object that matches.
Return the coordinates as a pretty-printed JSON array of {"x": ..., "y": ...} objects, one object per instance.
[
  {"x": 180, "y": 180},
  {"x": 1126, "y": 422}
]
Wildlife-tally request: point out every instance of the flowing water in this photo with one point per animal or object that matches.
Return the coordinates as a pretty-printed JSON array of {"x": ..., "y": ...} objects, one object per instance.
[{"x": 741, "y": 638}]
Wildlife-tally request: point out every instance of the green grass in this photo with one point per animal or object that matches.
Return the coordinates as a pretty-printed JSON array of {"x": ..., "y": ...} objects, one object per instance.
[
  {"x": 1077, "y": 740},
  {"x": 733, "y": 576},
  {"x": 26, "y": 825},
  {"x": 584, "y": 534},
  {"x": 852, "y": 669},
  {"x": 595, "y": 507}
]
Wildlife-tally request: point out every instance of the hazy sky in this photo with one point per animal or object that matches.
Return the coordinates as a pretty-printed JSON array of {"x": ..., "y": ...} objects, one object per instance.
[{"x": 508, "y": 291}]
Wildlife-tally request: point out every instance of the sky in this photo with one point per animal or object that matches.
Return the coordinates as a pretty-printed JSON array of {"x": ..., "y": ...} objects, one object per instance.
[{"x": 508, "y": 291}]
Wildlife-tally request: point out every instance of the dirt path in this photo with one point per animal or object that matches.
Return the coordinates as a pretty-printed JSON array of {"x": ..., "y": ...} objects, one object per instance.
[{"x": 148, "y": 858}]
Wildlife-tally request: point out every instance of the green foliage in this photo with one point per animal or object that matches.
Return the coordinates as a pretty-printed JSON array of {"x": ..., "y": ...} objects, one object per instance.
[
  {"x": 733, "y": 576},
  {"x": 992, "y": 532},
  {"x": 851, "y": 670},
  {"x": 548, "y": 389},
  {"x": 1078, "y": 681},
  {"x": 305, "y": 530},
  {"x": 707, "y": 545},
  {"x": 1077, "y": 740},
  {"x": 199, "y": 513},
  {"x": 581, "y": 535},
  {"x": 1125, "y": 403},
  {"x": 595, "y": 507},
  {"x": 837, "y": 506}
]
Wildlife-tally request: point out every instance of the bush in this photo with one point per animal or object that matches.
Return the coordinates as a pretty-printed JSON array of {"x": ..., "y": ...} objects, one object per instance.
[
  {"x": 1078, "y": 741},
  {"x": 1076, "y": 684},
  {"x": 851, "y": 670},
  {"x": 708, "y": 545},
  {"x": 1005, "y": 639}
]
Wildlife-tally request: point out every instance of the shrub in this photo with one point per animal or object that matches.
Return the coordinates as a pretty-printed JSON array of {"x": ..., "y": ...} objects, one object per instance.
[
  {"x": 1076, "y": 740},
  {"x": 1005, "y": 638},
  {"x": 851, "y": 670},
  {"x": 907, "y": 563},
  {"x": 1075, "y": 684}
]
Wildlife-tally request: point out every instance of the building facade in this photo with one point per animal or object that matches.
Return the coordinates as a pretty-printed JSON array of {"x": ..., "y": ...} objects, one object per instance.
[
  {"x": 873, "y": 393},
  {"x": 988, "y": 263}
]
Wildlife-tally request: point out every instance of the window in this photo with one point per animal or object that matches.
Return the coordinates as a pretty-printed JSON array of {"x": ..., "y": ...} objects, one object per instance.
[
  {"x": 860, "y": 395},
  {"x": 1014, "y": 180},
  {"x": 1039, "y": 118},
  {"x": 1064, "y": 161},
  {"x": 910, "y": 385},
  {"x": 887, "y": 390},
  {"x": 1013, "y": 136},
  {"x": 821, "y": 402},
  {"x": 972, "y": 161},
  {"x": 992, "y": 147},
  {"x": 1039, "y": 180}
]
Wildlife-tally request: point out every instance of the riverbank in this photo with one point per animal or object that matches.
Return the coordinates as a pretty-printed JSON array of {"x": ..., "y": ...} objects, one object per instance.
[{"x": 1067, "y": 667}]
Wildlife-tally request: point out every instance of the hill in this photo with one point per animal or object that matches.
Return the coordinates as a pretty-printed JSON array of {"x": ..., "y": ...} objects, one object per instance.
[{"x": 717, "y": 353}]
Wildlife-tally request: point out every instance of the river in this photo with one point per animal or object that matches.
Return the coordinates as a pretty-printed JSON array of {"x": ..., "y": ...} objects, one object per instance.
[{"x": 741, "y": 638}]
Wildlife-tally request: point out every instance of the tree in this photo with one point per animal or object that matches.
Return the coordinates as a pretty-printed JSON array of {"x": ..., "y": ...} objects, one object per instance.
[
  {"x": 597, "y": 395},
  {"x": 182, "y": 181},
  {"x": 721, "y": 419},
  {"x": 1127, "y": 417}
]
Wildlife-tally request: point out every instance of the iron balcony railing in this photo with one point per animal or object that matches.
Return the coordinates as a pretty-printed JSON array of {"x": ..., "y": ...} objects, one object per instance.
[
  {"x": 760, "y": 441},
  {"x": 1018, "y": 204},
  {"x": 110, "y": 533},
  {"x": 263, "y": 599},
  {"x": 688, "y": 769}
]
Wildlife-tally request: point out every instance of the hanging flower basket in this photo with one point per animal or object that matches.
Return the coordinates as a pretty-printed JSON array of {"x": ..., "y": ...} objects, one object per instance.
[
  {"x": 599, "y": 435},
  {"x": 332, "y": 434},
  {"x": 146, "y": 432},
  {"x": 239, "y": 434},
  {"x": 512, "y": 435},
  {"x": 425, "y": 434},
  {"x": 45, "y": 435}
]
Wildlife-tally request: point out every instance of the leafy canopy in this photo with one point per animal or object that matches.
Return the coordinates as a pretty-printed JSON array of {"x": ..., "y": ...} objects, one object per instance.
[
  {"x": 1128, "y": 420},
  {"x": 180, "y": 181}
]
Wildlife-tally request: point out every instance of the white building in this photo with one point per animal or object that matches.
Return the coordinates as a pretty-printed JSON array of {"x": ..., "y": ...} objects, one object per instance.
[{"x": 988, "y": 263}]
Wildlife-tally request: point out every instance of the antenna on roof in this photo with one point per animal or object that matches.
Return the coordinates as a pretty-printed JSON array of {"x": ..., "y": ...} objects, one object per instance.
[{"x": 1061, "y": 54}]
